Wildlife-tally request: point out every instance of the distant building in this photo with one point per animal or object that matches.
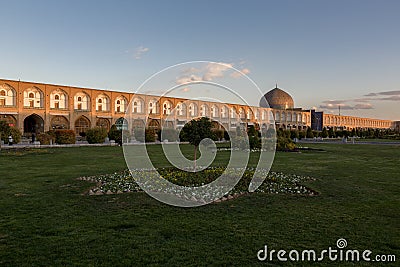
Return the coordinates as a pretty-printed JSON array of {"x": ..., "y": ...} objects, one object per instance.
[
  {"x": 317, "y": 120},
  {"x": 287, "y": 116},
  {"x": 38, "y": 107}
]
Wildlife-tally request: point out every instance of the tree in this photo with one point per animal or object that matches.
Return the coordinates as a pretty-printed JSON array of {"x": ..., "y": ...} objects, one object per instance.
[
  {"x": 353, "y": 132},
  {"x": 309, "y": 133},
  {"x": 4, "y": 131},
  {"x": 324, "y": 133},
  {"x": 294, "y": 134},
  {"x": 254, "y": 139},
  {"x": 96, "y": 135},
  {"x": 115, "y": 134},
  {"x": 331, "y": 132},
  {"x": 195, "y": 131}
]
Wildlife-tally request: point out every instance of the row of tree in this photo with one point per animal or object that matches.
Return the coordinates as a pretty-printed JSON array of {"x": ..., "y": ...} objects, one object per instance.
[{"x": 332, "y": 133}]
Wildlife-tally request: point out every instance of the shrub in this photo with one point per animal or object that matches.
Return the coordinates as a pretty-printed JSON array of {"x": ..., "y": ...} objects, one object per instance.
[
  {"x": 226, "y": 135},
  {"x": 115, "y": 134},
  {"x": 255, "y": 142},
  {"x": 65, "y": 136},
  {"x": 150, "y": 135},
  {"x": 139, "y": 134},
  {"x": 44, "y": 138},
  {"x": 96, "y": 135},
  {"x": 168, "y": 134},
  {"x": 6, "y": 131},
  {"x": 239, "y": 142},
  {"x": 284, "y": 144},
  {"x": 218, "y": 134},
  {"x": 309, "y": 133},
  {"x": 16, "y": 134},
  {"x": 294, "y": 134}
]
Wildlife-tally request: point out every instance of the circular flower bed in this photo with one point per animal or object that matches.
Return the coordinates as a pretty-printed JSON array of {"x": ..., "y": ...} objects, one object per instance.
[{"x": 275, "y": 183}]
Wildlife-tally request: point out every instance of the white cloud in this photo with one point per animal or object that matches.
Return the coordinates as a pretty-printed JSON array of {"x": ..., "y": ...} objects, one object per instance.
[
  {"x": 140, "y": 51},
  {"x": 363, "y": 106},
  {"x": 215, "y": 70},
  {"x": 237, "y": 74},
  {"x": 388, "y": 95},
  {"x": 188, "y": 79},
  {"x": 209, "y": 73}
]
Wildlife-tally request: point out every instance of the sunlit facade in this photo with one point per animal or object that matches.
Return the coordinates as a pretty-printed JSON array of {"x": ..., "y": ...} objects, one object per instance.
[{"x": 38, "y": 107}]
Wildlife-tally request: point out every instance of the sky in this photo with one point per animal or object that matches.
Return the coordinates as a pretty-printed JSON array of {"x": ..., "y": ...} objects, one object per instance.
[{"x": 323, "y": 53}]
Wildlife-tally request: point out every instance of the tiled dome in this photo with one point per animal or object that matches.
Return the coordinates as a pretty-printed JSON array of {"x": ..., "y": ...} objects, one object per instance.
[{"x": 278, "y": 99}]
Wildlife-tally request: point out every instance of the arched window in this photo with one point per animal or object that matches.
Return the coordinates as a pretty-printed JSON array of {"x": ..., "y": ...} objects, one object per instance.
[
  {"x": 81, "y": 102},
  {"x": 289, "y": 116},
  {"x": 214, "y": 111},
  {"x": 102, "y": 103},
  {"x": 58, "y": 99},
  {"x": 233, "y": 113},
  {"x": 167, "y": 107},
  {"x": 180, "y": 109},
  {"x": 137, "y": 105},
  {"x": 278, "y": 116},
  {"x": 120, "y": 104},
  {"x": 256, "y": 114},
  {"x": 82, "y": 124},
  {"x": 193, "y": 109},
  {"x": 7, "y": 95},
  {"x": 203, "y": 110},
  {"x": 33, "y": 98},
  {"x": 248, "y": 114},
  {"x": 241, "y": 113},
  {"x": 122, "y": 124},
  {"x": 224, "y": 112},
  {"x": 153, "y": 107}
]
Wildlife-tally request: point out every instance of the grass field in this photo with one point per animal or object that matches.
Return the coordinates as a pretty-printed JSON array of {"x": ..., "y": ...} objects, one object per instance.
[{"x": 46, "y": 221}]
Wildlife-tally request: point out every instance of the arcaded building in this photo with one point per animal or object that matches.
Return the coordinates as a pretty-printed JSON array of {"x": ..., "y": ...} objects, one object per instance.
[{"x": 39, "y": 107}]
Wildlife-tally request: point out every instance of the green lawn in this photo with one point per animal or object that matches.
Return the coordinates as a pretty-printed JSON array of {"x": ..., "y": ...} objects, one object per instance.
[{"x": 46, "y": 221}]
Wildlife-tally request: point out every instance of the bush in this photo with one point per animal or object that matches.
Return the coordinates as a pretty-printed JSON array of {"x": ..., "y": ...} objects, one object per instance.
[
  {"x": 96, "y": 135},
  {"x": 150, "y": 135},
  {"x": 294, "y": 134},
  {"x": 168, "y": 134},
  {"x": 284, "y": 144},
  {"x": 65, "y": 136},
  {"x": 255, "y": 142},
  {"x": 218, "y": 134},
  {"x": 115, "y": 134},
  {"x": 145, "y": 135},
  {"x": 226, "y": 135},
  {"x": 239, "y": 142},
  {"x": 44, "y": 138},
  {"x": 6, "y": 131},
  {"x": 309, "y": 133},
  {"x": 139, "y": 134},
  {"x": 16, "y": 134}
]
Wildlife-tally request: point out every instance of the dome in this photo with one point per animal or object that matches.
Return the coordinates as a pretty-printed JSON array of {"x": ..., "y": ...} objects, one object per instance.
[{"x": 277, "y": 98}]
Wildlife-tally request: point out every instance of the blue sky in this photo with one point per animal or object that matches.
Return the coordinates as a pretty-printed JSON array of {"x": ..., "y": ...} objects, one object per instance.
[{"x": 324, "y": 53}]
